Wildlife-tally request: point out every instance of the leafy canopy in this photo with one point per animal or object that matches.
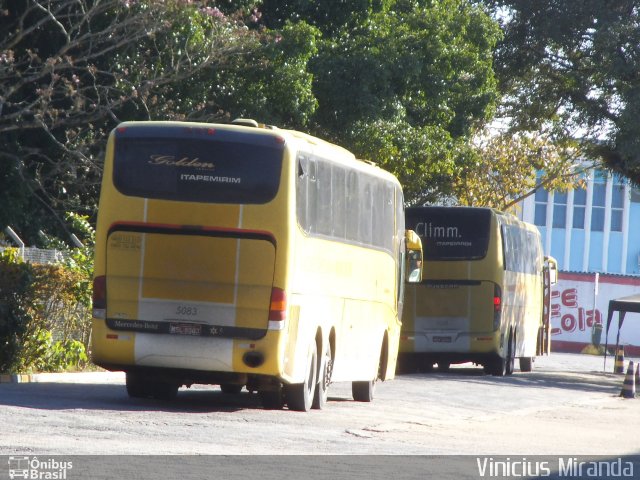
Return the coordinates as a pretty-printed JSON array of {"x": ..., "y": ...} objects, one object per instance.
[{"x": 572, "y": 69}]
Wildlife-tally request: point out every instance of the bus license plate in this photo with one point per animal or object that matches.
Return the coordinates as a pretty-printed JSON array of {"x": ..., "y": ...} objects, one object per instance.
[
  {"x": 441, "y": 339},
  {"x": 185, "y": 329}
]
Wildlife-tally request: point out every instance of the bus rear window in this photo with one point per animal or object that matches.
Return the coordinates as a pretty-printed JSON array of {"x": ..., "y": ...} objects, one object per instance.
[
  {"x": 201, "y": 169},
  {"x": 451, "y": 233}
]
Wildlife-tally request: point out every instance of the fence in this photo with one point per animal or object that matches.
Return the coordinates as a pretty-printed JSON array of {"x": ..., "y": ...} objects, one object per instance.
[{"x": 40, "y": 255}]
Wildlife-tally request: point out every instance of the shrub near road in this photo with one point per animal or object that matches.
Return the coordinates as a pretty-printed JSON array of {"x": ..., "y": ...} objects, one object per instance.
[{"x": 45, "y": 309}]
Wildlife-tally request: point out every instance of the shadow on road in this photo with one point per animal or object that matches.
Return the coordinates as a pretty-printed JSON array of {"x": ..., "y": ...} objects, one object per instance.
[
  {"x": 68, "y": 396},
  {"x": 578, "y": 381}
]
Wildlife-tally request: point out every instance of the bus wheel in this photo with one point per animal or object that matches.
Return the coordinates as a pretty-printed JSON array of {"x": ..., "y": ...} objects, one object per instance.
[
  {"x": 526, "y": 364},
  {"x": 322, "y": 387},
  {"x": 443, "y": 366},
  {"x": 164, "y": 390},
  {"x": 502, "y": 366},
  {"x": 137, "y": 386},
  {"x": 497, "y": 367},
  {"x": 300, "y": 395},
  {"x": 271, "y": 399},
  {"x": 363, "y": 391},
  {"x": 427, "y": 368},
  {"x": 511, "y": 354},
  {"x": 230, "y": 388}
]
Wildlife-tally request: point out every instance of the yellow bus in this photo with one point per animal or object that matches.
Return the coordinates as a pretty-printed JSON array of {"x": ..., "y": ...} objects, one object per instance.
[
  {"x": 242, "y": 255},
  {"x": 482, "y": 294}
]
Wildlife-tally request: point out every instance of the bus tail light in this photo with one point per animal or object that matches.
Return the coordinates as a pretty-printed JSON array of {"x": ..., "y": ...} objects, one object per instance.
[
  {"x": 497, "y": 307},
  {"x": 100, "y": 297},
  {"x": 277, "y": 309}
]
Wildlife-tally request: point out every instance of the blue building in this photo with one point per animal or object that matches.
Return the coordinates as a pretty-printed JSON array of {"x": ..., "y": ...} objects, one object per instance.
[
  {"x": 591, "y": 229},
  {"x": 594, "y": 234}
]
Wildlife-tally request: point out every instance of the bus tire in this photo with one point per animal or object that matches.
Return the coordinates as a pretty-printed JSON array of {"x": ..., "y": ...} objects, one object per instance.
[
  {"x": 511, "y": 354},
  {"x": 230, "y": 388},
  {"x": 165, "y": 390},
  {"x": 322, "y": 387},
  {"x": 300, "y": 395},
  {"x": 271, "y": 399},
  {"x": 363, "y": 391},
  {"x": 497, "y": 367},
  {"x": 137, "y": 386},
  {"x": 443, "y": 366},
  {"x": 526, "y": 364}
]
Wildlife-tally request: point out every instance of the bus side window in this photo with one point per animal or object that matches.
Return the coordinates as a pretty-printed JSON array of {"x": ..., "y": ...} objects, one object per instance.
[
  {"x": 302, "y": 193},
  {"x": 353, "y": 207},
  {"x": 338, "y": 202}
]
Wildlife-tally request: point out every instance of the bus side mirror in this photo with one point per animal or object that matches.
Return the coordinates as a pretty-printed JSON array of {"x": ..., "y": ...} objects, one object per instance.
[{"x": 413, "y": 270}]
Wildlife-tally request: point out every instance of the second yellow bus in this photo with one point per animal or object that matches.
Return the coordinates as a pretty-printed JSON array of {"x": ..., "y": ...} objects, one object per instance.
[{"x": 482, "y": 294}]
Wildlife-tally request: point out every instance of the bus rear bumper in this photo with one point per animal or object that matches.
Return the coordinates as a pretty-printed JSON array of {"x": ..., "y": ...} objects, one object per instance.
[
  {"x": 131, "y": 351},
  {"x": 450, "y": 342}
]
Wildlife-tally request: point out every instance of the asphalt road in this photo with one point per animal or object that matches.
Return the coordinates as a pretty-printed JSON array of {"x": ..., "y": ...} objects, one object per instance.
[{"x": 566, "y": 406}]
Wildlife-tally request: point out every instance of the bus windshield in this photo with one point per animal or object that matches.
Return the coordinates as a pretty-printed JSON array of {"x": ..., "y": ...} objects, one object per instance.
[
  {"x": 205, "y": 169},
  {"x": 451, "y": 233}
]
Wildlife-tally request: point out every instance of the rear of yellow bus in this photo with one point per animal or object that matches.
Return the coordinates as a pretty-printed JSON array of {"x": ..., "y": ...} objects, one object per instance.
[
  {"x": 454, "y": 314},
  {"x": 191, "y": 257}
]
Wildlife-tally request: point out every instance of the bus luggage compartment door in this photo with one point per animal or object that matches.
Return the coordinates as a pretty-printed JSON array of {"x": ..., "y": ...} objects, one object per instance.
[{"x": 189, "y": 283}]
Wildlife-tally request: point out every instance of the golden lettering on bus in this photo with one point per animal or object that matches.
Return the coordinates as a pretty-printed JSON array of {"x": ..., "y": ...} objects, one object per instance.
[{"x": 172, "y": 161}]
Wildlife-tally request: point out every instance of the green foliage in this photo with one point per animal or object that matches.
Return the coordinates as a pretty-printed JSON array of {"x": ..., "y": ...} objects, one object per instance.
[
  {"x": 63, "y": 355},
  {"x": 15, "y": 287},
  {"x": 70, "y": 71},
  {"x": 423, "y": 158},
  {"x": 571, "y": 69},
  {"x": 45, "y": 309},
  {"x": 329, "y": 17},
  {"x": 403, "y": 83},
  {"x": 272, "y": 84},
  {"x": 430, "y": 64},
  {"x": 500, "y": 170}
]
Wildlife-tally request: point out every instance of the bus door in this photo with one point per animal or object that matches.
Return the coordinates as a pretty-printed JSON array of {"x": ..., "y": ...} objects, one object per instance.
[{"x": 550, "y": 278}]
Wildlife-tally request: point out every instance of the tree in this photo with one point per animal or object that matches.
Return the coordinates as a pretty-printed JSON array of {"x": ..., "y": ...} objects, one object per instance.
[
  {"x": 400, "y": 82},
  {"x": 572, "y": 69},
  {"x": 503, "y": 169},
  {"x": 404, "y": 83},
  {"x": 70, "y": 70}
]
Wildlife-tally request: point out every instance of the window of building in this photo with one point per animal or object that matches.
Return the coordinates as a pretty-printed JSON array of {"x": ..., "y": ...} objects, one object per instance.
[
  {"x": 540, "y": 216},
  {"x": 560, "y": 209},
  {"x": 597, "y": 210},
  {"x": 579, "y": 206},
  {"x": 617, "y": 206}
]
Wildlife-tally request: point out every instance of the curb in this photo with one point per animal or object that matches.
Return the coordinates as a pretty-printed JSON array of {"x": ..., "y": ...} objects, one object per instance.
[
  {"x": 64, "y": 377},
  {"x": 14, "y": 378}
]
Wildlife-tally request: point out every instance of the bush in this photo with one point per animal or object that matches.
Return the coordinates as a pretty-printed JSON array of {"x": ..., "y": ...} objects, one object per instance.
[{"x": 45, "y": 310}]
